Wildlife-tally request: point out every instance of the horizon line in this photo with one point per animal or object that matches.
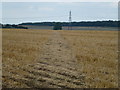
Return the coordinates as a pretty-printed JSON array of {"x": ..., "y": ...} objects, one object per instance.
[{"x": 60, "y": 21}]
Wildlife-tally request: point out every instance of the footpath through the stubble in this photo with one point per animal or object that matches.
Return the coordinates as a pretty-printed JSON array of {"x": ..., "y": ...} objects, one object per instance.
[{"x": 57, "y": 67}]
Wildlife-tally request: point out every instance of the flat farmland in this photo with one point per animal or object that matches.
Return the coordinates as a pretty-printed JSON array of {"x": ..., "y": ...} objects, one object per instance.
[
  {"x": 96, "y": 52},
  {"x": 73, "y": 28},
  {"x": 20, "y": 49},
  {"x": 59, "y": 58}
]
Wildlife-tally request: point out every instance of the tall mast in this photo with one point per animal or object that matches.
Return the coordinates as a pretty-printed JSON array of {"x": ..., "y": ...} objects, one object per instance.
[{"x": 70, "y": 20}]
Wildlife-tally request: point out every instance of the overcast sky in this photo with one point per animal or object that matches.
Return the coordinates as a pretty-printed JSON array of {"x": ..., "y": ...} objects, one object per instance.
[{"x": 18, "y": 12}]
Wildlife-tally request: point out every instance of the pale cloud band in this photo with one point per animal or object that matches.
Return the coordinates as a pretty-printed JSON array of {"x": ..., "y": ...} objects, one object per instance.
[{"x": 59, "y": 0}]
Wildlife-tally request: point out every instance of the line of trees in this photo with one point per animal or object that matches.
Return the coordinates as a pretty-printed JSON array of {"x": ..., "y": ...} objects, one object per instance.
[
  {"x": 13, "y": 26},
  {"x": 57, "y": 26},
  {"x": 109, "y": 23}
]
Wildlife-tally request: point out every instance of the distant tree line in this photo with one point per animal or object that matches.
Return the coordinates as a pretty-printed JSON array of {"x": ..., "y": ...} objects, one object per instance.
[
  {"x": 109, "y": 23},
  {"x": 57, "y": 26},
  {"x": 12, "y": 26}
]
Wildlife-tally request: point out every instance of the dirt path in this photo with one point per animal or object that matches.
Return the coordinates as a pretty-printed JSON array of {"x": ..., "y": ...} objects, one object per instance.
[{"x": 56, "y": 67}]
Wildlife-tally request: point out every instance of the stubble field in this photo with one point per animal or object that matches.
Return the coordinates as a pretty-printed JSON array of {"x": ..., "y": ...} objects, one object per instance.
[
  {"x": 95, "y": 52},
  {"x": 20, "y": 49}
]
